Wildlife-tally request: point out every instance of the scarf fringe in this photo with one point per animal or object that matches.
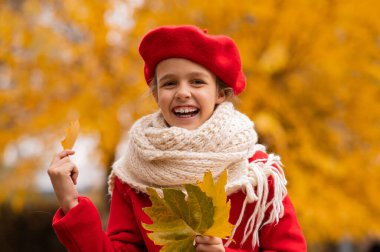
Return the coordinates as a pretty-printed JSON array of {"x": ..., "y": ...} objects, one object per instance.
[{"x": 259, "y": 172}]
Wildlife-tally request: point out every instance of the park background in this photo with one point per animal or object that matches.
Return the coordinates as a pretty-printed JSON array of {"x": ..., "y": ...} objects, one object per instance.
[{"x": 313, "y": 72}]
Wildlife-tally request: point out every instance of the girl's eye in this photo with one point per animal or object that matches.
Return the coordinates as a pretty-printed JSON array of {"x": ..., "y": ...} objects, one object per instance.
[
  {"x": 198, "y": 82},
  {"x": 168, "y": 84}
]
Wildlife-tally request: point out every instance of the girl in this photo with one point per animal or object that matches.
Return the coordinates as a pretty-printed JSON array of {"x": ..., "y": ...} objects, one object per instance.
[{"x": 192, "y": 76}]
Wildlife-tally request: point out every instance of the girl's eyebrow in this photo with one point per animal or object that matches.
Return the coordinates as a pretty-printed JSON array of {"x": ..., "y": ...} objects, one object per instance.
[
  {"x": 191, "y": 74},
  {"x": 198, "y": 74},
  {"x": 166, "y": 76}
]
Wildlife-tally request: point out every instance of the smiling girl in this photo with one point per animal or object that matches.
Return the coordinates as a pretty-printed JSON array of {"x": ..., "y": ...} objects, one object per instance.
[
  {"x": 186, "y": 93},
  {"x": 192, "y": 76}
]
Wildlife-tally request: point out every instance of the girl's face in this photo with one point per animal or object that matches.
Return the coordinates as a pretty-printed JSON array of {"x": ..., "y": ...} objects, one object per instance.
[{"x": 186, "y": 93}]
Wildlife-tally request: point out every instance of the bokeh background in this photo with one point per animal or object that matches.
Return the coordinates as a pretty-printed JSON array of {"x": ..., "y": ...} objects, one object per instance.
[{"x": 313, "y": 71}]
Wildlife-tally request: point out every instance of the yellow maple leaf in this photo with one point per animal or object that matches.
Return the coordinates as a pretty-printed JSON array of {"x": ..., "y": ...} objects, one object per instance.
[
  {"x": 71, "y": 135},
  {"x": 221, "y": 226},
  {"x": 177, "y": 219}
]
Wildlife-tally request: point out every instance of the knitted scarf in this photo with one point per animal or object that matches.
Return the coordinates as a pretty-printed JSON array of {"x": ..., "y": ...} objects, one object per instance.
[{"x": 160, "y": 156}]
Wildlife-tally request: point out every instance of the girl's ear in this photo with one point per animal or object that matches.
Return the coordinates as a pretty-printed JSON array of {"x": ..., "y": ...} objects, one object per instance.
[
  {"x": 155, "y": 96},
  {"x": 221, "y": 96},
  {"x": 153, "y": 88}
]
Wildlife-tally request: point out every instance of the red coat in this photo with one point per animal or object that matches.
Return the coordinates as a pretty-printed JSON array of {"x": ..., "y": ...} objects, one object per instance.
[{"x": 81, "y": 229}]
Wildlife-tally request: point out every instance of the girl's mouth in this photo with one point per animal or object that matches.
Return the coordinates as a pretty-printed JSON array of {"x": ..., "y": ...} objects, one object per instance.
[{"x": 185, "y": 112}]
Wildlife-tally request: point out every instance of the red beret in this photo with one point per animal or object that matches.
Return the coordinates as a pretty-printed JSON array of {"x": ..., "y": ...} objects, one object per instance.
[{"x": 217, "y": 53}]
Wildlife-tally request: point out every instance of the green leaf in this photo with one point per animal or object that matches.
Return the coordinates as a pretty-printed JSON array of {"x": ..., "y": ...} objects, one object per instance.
[
  {"x": 202, "y": 209},
  {"x": 175, "y": 199},
  {"x": 167, "y": 225}
]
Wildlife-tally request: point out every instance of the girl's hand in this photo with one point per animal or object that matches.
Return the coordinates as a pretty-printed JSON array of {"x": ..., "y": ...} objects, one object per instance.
[
  {"x": 63, "y": 175},
  {"x": 208, "y": 243}
]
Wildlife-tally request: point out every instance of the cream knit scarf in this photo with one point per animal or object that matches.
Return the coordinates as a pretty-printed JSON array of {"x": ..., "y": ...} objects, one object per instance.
[{"x": 160, "y": 156}]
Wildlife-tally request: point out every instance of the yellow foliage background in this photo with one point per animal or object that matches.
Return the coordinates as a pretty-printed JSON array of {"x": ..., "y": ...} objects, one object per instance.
[{"x": 313, "y": 71}]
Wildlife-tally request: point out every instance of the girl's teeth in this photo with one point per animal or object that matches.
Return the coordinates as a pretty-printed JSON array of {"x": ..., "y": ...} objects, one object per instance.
[
  {"x": 186, "y": 110},
  {"x": 185, "y": 116}
]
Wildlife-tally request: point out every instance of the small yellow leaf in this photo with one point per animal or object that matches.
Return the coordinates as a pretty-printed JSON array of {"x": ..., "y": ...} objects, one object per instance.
[{"x": 71, "y": 135}]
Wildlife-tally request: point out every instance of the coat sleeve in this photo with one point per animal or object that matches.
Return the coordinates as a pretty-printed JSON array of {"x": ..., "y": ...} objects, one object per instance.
[
  {"x": 123, "y": 229},
  {"x": 234, "y": 250},
  {"x": 286, "y": 235},
  {"x": 81, "y": 229}
]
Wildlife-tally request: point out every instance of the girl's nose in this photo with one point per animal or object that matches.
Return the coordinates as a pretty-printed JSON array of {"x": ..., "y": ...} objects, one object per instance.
[{"x": 183, "y": 92}]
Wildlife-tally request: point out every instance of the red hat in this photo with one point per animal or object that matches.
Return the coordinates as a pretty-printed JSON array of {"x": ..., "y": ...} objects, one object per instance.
[{"x": 217, "y": 53}]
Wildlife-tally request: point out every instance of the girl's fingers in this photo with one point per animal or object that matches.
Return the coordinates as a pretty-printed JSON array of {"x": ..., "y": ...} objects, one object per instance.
[
  {"x": 208, "y": 243},
  {"x": 62, "y": 154},
  {"x": 208, "y": 240},
  {"x": 62, "y": 161},
  {"x": 63, "y": 168},
  {"x": 71, "y": 170},
  {"x": 74, "y": 175},
  {"x": 63, "y": 175},
  {"x": 207, "y": 248}
]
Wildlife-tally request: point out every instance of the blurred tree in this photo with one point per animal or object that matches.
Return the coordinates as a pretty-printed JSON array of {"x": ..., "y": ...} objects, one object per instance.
[
  {"x": 313, "y": 69},
  {"x": 61, "y": 61}
]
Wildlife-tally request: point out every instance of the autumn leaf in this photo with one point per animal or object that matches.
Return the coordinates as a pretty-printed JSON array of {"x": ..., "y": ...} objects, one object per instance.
[
  {"x": 221, "y": 226},
  {"x": 176, "y": 221},
  {"x": 71, "y": 135}
]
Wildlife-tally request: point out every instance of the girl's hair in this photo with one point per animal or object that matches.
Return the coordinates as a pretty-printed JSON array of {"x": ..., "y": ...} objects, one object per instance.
[{"x": 228, "y": 91}]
